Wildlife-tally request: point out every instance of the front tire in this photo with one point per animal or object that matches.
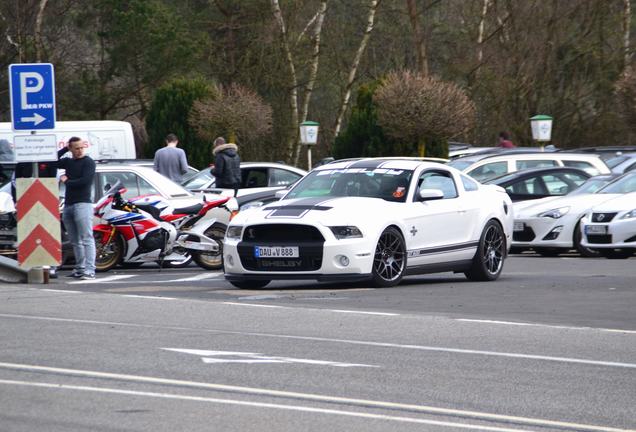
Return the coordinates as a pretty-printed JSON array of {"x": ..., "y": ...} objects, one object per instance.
[
  {"x": 389, "y": 260},
  {"x": 212, "y": 260},
  {"x": 584, "y": 251},
  {"x": 108, "y": 255},
  {"x": 488, "y": 261},
  {"x": 250, "y": 284}
]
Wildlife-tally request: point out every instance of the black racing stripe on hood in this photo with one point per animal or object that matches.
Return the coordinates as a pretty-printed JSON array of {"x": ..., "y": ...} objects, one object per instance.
[{"x": 297, "y": 208}]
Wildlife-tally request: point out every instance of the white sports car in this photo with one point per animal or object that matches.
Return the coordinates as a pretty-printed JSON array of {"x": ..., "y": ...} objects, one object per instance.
[
  {"x": 552, "y": 225},
  {"x": 611, "y": 227},
  {"x": 372, "y": 219}
]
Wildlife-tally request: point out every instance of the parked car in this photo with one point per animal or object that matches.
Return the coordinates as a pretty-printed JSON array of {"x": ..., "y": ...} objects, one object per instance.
[
  {"x": 372, "y": 219},
  {"x": 540, "y": 182},
  {"x": 255, "y": 177},
  {"x": 605, "y": 152},
  {"x": 484, "y": 167},
  {"x": 610, "y": 227},
  {"x": 150, "y": 163},
  {"x": 622, "y": 163},
  {"x": 551, "y": 226}
]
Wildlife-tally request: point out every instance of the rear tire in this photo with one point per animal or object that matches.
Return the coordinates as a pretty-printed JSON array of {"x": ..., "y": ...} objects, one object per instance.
[
  {"x": 212, "y": 260},
  {"x": 108, "y": 256},
  {"x": 250, "y": 284},
  {"x": 489, "y": 258}
]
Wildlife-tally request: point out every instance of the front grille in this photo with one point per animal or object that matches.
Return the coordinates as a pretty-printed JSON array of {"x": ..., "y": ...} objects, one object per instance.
[
  {"x": 308, "y": 239},
  {"x": 524, "y": 236},
  {"x": 280, "y": 233},
  {"x": 603, "y": 217},
  {"x": 599, "y": 238},
  {"x": 310, "y": 258}
]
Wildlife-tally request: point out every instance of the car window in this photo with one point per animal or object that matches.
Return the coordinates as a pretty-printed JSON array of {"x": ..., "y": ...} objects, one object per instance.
[
  {"x": 630, "y": 168},
  {"x": 146, "y": 188},
  {"x": 440, "y": 181},
  {"x": 560, "y": 185},
  {"x": 489, "y": 170},
  {"x": 254, "y": 177},
  {"x": 469, "y": 184},
  {"x": 128, "y": 180},
  {"x": 282, "y": 177},
  {"x": 586, "y": 166},
  {"x": 529, "y": 163},
  {"x": 615, "y": 161}
]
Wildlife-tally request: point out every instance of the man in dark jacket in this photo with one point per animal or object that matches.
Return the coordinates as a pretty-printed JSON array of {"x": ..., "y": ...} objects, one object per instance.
[{"x": 227, "y": 165}]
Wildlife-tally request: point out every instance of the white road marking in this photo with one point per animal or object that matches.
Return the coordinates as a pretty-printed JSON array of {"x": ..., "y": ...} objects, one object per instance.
[
  {"x": 363, "y": 312},
  {"x": 255, "y": 305},
  {"x": 521, "y": 324},
  {"x": 149, "y": 297},
  {"x": 61, "y": 291},
  {"x": 343, "y": 341},
  {"x": 200, "y": 276},
  {"x": 208, "y": 356},
  {"x": 299, "y": 408},
  {"x": 475, "y": 415},
  {"x": 101, "y": 279}
]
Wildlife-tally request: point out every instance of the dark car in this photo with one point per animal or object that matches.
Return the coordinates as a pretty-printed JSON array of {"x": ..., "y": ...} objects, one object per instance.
[{"x": 541, "y": 182}]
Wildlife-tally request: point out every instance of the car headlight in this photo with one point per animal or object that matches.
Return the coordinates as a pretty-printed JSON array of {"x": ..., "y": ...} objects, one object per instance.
[
  {"x": 555, "y": 213},
  {"x": 346, "y": 232},
  {"x": 629, "y": 215},
  {"x": 234, "y": 232}
]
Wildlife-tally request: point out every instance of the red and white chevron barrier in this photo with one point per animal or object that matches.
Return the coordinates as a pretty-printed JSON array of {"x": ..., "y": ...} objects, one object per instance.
[{"x": 38, "y": 214}]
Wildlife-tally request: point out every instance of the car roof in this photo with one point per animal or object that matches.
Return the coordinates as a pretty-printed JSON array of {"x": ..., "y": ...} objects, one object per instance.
[
  {"x": 516, "y": 175},
  {"x": 380, "y": 162}
]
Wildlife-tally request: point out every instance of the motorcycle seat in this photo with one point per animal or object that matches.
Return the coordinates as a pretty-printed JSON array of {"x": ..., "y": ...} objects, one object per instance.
[{"x": 193, "y": 209}]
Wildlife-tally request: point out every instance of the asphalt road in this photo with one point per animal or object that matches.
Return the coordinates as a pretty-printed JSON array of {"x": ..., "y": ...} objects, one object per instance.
[{"x": 550, "y": 346}]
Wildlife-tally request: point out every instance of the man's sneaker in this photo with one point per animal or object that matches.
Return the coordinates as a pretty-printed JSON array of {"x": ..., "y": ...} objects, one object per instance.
[
  {"x": 76, "y": 275},
  {"x": 52, "y": 274},
  {"x": 87, "y": 276}
]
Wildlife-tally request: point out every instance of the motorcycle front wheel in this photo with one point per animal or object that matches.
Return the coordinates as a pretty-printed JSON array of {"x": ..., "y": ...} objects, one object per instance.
[
  {"x": 212, "y": 260},
  {"x": 108, "y": 255}
]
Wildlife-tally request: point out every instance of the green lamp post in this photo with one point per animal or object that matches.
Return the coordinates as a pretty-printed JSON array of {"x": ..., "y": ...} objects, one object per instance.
[
  {"x": 541, "y": 128},
  {"x": 309, "y": 137}
]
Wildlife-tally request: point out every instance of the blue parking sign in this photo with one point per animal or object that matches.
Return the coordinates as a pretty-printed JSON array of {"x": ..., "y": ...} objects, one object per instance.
[{"x": 32, "y": 90}]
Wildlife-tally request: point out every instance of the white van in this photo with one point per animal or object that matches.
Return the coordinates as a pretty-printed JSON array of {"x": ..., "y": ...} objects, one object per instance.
[
  {"x": 105, "y": 139},
  {"x": 484, "y": 167}
]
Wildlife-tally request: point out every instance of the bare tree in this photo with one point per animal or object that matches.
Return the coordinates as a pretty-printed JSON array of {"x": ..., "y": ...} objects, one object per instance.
[
  {"x": 418, "y": 37},
  {"x": 373, "y": 7},
  {"x": 319, "y": 18},
  {"x": 38, "y": 31},
  {"x": 627, "y": 22}
]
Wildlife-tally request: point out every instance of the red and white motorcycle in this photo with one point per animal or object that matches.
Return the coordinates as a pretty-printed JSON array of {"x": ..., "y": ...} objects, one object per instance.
[{"x": 148, "y": 229}]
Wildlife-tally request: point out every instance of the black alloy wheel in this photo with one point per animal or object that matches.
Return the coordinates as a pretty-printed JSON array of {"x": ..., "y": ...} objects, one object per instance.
[
  {"x": 389, "y": 260},
  {"x": 488, "y": 261}
]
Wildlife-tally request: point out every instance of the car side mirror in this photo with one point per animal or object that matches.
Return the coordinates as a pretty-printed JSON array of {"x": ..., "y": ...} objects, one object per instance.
[{"x": 430, "y": 194}]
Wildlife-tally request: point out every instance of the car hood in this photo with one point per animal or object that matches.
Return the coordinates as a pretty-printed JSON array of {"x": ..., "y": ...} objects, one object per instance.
[
  {"x": 326, "y": 211},
  {"x": 619, "y": 203},
  {"x": 577, "y": 203}
]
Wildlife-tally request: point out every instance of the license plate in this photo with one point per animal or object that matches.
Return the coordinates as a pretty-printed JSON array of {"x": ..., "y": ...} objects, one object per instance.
[
  {"x": 276, "y": 251},
  {"x": 595, "y": 229},
  {"x": 519, "y": 226}
]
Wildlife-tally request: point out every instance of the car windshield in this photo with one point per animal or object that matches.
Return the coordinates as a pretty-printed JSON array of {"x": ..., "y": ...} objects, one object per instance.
[
  {"x": 624, "y": 184},
  {"x": 170, "y": 188},
  {"x": 615, "y": 161},
  {"x": 460, "y": 164},
  {"x": 388, "y": 184},
  {"x": 591, "y": 185},
  {"x": 202, "y": 180}
]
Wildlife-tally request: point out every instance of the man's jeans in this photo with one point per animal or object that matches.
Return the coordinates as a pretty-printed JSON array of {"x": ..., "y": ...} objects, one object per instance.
[{"x": 78, "y": 220}]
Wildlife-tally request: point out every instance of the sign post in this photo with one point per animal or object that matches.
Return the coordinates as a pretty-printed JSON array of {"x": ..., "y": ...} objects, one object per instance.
[{"x": 32, "y": 92}]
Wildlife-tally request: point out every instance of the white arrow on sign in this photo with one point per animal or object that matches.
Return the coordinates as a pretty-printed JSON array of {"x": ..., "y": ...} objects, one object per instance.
[
  {"x": 251, "y": 358},
  {"x": 36, "y": 119}
]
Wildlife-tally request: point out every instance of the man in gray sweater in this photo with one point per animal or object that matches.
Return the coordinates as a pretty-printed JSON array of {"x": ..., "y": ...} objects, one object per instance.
[{"x": 171, "y": 161}]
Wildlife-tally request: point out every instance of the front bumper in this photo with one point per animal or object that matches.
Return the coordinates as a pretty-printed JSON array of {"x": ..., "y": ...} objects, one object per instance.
[
  {"x": 619, "y": 234},
  {"x": 542, "y": 232}
]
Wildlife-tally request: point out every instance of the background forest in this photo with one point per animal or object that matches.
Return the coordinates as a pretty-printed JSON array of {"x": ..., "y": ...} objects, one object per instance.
[{"x": 254, "y": 69}]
